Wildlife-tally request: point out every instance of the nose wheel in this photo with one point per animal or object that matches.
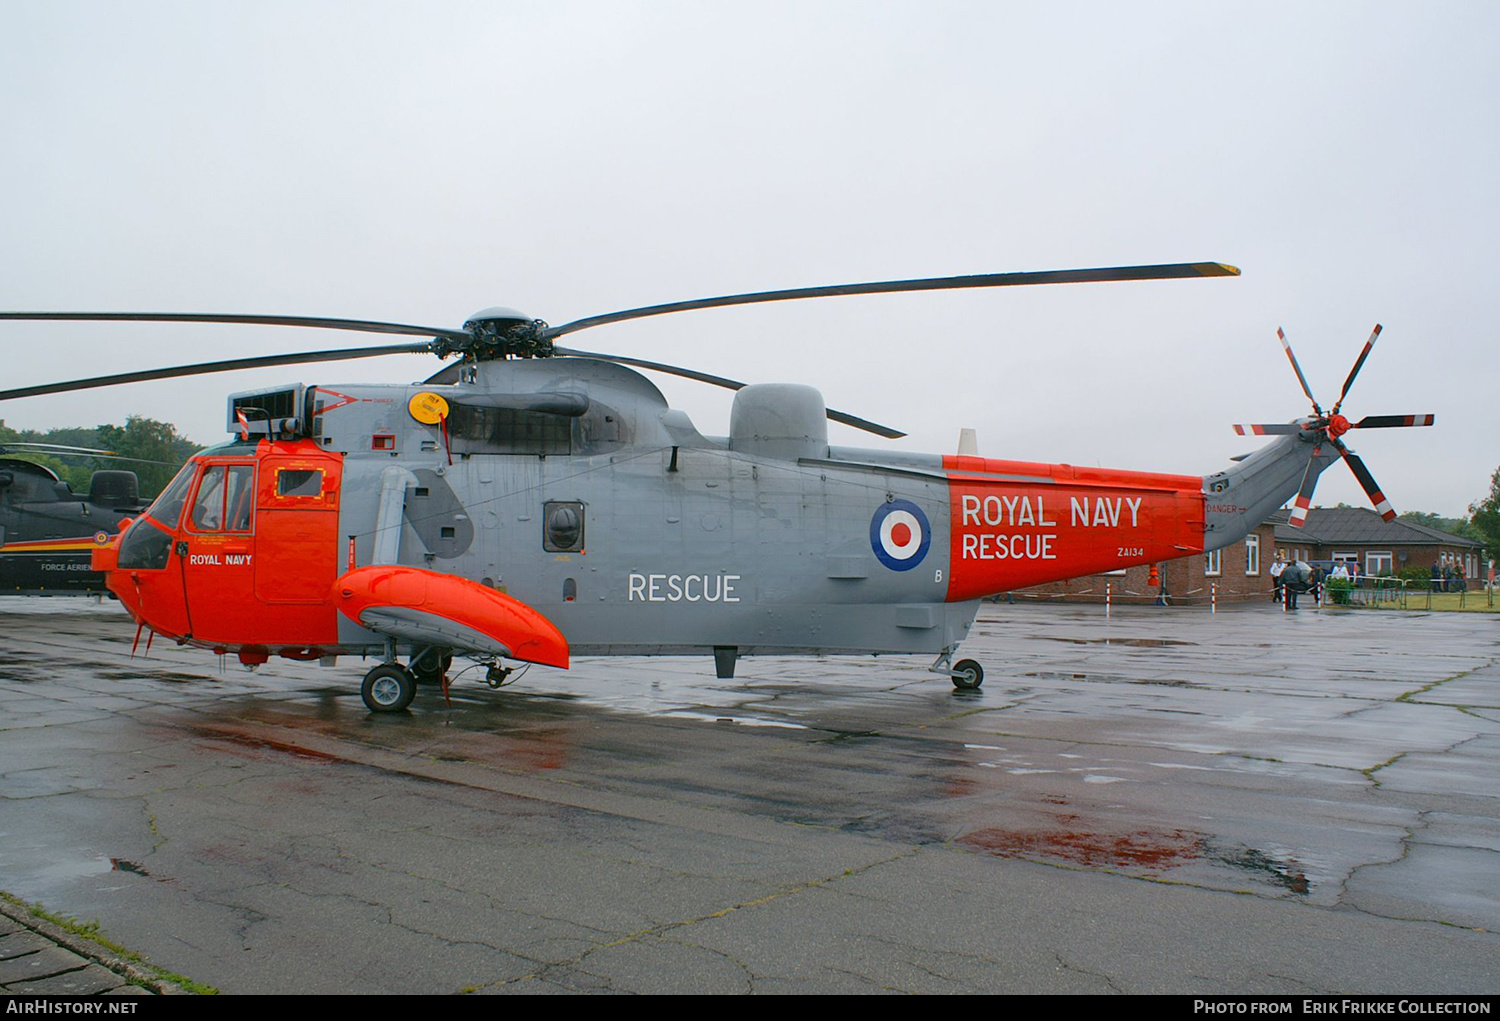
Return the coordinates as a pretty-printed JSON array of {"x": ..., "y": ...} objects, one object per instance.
[{"x": 388, "y": 688}]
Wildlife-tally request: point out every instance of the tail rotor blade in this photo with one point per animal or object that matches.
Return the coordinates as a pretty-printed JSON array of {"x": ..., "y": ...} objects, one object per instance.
[
  {"x": 1286, "y": 346},
  {"x": 1371, "y": 487},
  {"x": 1392, "y": 421},
  {"x": 1355, "y": 371},
  {"x": 1268, "y": 429},
  {"x": 1305, "y": 492}
]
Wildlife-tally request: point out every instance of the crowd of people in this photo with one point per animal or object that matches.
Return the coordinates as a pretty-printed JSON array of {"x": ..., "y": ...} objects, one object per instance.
[
  {"x": 1294, "y": 578},
  {"x": 1449, "y": 578},
  {"x": 1290, "y": 579}
]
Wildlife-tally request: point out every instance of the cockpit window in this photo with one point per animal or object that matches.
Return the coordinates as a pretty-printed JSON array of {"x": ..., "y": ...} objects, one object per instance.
[
  {"x": 224, "y": 499},
  {"x": 167, "y": 507}
]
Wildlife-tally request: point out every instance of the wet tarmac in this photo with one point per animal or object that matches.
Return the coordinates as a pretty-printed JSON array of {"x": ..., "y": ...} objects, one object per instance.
[{"x": 1167, "y": 801}]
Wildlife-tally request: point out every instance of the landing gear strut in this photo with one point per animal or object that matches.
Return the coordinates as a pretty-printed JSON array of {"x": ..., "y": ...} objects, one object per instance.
[
  {"x": 431, "y": 665},
  {"x": 388, "y": 688},
  {"x": 967, "y": 674}
]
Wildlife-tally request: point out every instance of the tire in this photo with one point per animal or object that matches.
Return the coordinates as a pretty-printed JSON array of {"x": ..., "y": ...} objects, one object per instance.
[
  {"x": 968, "y": 675},
  {"x": 388, "y": 688}
]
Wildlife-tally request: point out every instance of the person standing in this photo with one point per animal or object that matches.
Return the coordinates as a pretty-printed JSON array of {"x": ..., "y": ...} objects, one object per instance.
[{"x": 1278, "y": 568}]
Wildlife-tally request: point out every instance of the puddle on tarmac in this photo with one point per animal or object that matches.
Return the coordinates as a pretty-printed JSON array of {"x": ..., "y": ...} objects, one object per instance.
[
  {"x": 126, "y": 865},
  {"x": 1287, "y": 874},
  {"x": 98, "y": 865},
  {"x": 154, "y": 675}
]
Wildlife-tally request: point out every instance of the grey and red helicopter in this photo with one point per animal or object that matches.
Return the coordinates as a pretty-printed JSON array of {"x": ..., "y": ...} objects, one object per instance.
[{"x": 531, "y": 502}]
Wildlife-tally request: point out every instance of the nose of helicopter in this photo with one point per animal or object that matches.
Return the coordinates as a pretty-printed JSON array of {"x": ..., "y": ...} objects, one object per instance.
[{"x": 105, "y": 559}]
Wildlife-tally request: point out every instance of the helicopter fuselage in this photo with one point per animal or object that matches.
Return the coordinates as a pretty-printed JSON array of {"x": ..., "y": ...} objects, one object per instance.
[{"x": 567, "y": 488}]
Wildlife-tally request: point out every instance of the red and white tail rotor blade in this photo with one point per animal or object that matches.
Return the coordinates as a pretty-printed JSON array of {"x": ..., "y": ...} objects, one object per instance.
[
  {"x": 1392, "y": 421},
  {"x": 1371, "y": 487},
  {"x": 1304, "y": 493},
  {"x": 1268, "y": 429},
  {"x": 1358, "y": 362},
  {"x": 1287, "y": 347}
]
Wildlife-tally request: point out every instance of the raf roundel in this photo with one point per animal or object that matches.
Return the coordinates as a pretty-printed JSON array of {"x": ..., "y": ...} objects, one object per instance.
[{"x": 900, "y": 535}]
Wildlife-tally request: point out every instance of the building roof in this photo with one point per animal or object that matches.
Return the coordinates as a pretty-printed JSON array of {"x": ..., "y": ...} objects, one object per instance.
[{"x": 1356, "y": 526}]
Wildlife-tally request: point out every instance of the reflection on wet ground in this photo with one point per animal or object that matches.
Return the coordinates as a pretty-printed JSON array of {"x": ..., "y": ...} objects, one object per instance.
[{"x": 1330, "y": 759}]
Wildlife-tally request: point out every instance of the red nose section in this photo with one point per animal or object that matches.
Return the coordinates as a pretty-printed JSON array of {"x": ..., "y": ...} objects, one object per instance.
[
  {"x": 1337, "y": 426},
  {"x": 153, "y": 597},
  {"x": 415, "y": 604}
]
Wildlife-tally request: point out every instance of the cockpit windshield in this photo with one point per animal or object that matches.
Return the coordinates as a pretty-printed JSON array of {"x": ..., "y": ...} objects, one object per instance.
[{"x": 167, "y": 507}]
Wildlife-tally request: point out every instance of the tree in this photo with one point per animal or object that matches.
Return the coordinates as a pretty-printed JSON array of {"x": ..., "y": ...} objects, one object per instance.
[
  {"x": 140, "y": 437},
  {"x": 149, "y": 440},
  {"x": 1485, "y": 516},
  {"x": 1453, "y": 526}
]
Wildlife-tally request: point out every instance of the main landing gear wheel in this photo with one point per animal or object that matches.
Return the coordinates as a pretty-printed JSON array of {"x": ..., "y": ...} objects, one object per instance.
[
  {"x": 388, "y": 688},
  {"x": 968, "y": 675}
]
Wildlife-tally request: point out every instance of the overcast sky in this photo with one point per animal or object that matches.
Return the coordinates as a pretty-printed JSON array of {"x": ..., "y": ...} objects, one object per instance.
[{"x": 415, "y": 163}]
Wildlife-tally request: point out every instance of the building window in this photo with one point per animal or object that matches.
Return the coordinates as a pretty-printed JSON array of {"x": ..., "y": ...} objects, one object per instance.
[
  {"x": 1252, "y": 554},
  {"x": 1213, "y": 563},
  {"x": 1378, "y": 562}
]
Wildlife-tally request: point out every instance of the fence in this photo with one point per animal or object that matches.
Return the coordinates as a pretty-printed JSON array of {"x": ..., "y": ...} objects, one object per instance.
[
  {"x": 1401, "y": 594},
  {"x": 1376, "y": 593}
]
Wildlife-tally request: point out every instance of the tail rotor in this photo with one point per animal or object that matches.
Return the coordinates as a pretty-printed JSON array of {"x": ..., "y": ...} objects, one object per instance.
[{"x": 1327, "y": 428}]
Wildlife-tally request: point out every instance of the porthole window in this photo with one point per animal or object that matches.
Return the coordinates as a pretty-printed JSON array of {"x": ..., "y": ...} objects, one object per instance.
[{"x": 562, "y": 526}]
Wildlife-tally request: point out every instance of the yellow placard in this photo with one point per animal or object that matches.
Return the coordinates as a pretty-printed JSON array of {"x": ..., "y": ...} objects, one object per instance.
[{"x": 427, "y": 407}]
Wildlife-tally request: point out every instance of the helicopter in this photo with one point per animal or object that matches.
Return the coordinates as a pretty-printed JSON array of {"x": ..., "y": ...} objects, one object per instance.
[
  {"x": 47, "y": 531},
  {"x": 531, "y": 502}
]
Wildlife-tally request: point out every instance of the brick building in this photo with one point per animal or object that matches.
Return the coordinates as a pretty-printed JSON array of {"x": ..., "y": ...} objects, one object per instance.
[
  {"x": 1237, "y": 572},
  {"x": 1241, "y": 571},
  {"x": 1360, "y": 538}
]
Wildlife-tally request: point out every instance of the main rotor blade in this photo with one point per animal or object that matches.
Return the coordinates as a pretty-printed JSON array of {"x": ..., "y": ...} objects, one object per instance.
[
  {"x": 1169, "y": 271},
  {"x": 1392, "y": 421},
  {"x": 1286, "y": 346},
  {"x": 54, "y": 448},
  {"x": 84, "y": 452},
  {"x": 842, "y": 417},
  {"x": 1365, "y": 353},
  {"x": 318, "y": 322},
  {"x": 203, "y": 368},
  {"x": 1371, "y": 487},
  {"x": 1300, "y": 505}
]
